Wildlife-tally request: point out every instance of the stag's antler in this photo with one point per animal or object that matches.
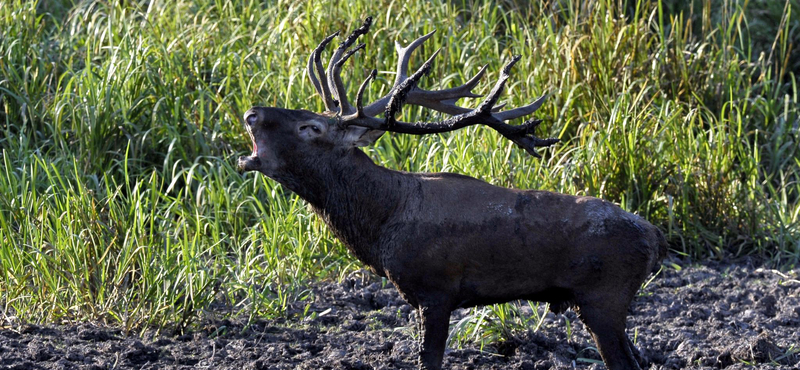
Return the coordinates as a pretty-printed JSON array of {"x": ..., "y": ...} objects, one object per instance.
[{"x": 405, "y": 91}]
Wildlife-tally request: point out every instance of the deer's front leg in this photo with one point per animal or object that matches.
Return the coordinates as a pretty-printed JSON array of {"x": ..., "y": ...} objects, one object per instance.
[{"x": 435, "y": 320}]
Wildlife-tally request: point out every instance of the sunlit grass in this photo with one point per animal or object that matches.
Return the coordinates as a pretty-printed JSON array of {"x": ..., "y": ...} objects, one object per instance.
[{"x": 119, "y": 200}]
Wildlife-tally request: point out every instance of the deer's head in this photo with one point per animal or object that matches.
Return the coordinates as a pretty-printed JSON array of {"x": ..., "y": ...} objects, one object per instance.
[{"x": 282, "y": 135}]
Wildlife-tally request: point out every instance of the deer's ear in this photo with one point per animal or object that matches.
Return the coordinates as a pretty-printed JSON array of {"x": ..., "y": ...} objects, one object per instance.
[
  {"x": 311, "y": 129},
  {"x": 361, "y": 136}
]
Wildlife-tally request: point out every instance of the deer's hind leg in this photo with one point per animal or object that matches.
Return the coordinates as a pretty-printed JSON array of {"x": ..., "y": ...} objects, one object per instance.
[{"x": 636, "y": 354}]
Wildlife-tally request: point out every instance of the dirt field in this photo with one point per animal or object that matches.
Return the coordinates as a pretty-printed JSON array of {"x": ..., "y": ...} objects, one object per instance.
[{"x": 730, "y": 316}]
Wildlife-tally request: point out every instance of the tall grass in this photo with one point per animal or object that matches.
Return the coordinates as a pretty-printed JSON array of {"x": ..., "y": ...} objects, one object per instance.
[{"x": 119, "y": 200}]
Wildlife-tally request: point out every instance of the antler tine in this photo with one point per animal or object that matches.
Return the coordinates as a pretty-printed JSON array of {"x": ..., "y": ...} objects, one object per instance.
[
  {"x": 498, "y": 88},
  {"x": 491, "y": 99},
  {"x": 521, "y": 111},
  {"x": 312, "y": 75},
  {"x": 338, "y": 85},
  {"x": 445, "y": 100},
  {"x": 335, "y": 65},
  {"x": 346, "y": 56},
  {"x": 525, "y": 137},
  {"x": 403, "y": 57},
  {"x": 314, "y": 62},
  {"x": 463, "y": 91},
  {"x": 359, "y": 107},
  {"x": 401, "y": 91}
]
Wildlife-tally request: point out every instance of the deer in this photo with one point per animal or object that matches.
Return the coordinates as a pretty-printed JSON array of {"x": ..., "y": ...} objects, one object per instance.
[{"x": 446, "y": 240}]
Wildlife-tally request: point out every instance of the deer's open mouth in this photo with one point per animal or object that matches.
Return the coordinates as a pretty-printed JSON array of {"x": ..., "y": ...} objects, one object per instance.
[
  {"x": 252, "y": 162},
  {"x": 252, "y": 140}
]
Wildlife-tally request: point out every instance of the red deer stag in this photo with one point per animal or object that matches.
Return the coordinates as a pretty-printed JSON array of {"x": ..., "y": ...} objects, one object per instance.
[{"x": 446, "y": 240}]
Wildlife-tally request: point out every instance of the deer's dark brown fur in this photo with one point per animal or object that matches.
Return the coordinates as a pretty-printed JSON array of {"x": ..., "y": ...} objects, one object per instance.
[{"x": 448, "y": 241}]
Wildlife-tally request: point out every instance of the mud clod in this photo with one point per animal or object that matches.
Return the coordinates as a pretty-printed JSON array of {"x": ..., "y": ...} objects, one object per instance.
[{"x": 759, "y": 350}]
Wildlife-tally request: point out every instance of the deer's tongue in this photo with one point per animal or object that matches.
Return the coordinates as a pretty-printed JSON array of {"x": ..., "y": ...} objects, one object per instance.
[{"x": 255, "y": 145}]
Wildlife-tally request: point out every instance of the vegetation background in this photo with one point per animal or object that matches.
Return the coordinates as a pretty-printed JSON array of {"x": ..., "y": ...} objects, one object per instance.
[{"x": 120, "y": 127}]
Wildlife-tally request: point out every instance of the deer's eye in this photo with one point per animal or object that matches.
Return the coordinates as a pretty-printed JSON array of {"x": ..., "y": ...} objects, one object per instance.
[{"x": 251, "y": 119}]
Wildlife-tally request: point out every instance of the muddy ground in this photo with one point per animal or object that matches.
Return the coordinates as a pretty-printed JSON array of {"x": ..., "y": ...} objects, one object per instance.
[{"x": 715, "y": 315}]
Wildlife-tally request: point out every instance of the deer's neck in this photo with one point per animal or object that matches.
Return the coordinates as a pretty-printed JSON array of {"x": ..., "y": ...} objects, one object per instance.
[{"x": 354, "y": 196}]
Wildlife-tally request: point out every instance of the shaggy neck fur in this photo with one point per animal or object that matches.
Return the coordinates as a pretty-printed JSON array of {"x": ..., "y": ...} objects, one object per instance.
[{"x": 353, "y": 195}]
